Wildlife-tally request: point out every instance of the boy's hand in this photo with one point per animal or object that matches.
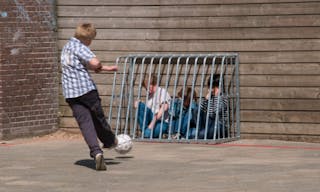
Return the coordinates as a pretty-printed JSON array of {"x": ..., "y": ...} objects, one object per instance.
[
  {"x": 152, "y": 123},
  {"x": 112, "y": 68},
  {"x": 208, "y": 95}
]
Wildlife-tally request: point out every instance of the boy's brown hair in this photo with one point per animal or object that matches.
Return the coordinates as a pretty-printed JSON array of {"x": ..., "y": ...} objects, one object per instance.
[
  {"x": 85, "y": 31},
  {"x": 153, "y": 80},
  {"x": 187, "y": 96},
  {"x": 215, "y": 81}
]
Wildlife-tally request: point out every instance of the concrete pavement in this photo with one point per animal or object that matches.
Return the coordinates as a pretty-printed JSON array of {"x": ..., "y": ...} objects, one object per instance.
[{"x": 62, "y": 165}]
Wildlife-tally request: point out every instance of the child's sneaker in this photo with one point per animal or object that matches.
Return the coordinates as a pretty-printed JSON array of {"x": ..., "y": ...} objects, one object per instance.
[
  {"x": 175, "y": 136},
  {"x": 100, "y": 164}
]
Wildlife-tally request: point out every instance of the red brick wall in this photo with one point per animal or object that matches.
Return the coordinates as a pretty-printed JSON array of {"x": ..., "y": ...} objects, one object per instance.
[{"x": 29, "y": 68}]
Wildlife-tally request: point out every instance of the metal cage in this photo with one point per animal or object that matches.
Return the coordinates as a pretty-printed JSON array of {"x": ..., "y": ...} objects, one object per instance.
[{"x": 178, "y": 75}]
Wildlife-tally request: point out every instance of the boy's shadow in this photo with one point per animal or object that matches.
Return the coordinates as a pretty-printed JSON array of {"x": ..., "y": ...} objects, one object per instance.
[{"x": 89, "y": 163}]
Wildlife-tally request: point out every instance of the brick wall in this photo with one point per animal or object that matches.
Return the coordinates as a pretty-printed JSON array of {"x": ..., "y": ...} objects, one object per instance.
[{"x": 29, "y": 69}]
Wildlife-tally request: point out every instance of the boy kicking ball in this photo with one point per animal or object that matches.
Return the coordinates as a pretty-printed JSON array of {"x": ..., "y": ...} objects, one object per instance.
[{"x": 81, "y": 92}]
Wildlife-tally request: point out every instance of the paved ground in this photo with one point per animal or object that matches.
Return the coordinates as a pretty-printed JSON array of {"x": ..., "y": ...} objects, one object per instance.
[{"x": 247, "y": 165}]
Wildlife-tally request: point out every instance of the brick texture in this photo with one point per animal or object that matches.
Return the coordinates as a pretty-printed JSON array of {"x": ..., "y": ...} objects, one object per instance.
[{"x": 29, "y": 68}]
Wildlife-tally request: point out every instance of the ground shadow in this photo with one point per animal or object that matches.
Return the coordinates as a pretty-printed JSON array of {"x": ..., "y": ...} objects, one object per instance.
[
  {"x": 89, "y": 163},
  {"x": 125, "y": 157}
]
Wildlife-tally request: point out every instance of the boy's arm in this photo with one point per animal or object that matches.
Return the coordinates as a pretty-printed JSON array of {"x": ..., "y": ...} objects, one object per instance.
[
  {"x": 109, "y": 68},
  {"x": 164, "y": 107},
  {"x": 96, "y": 65}
]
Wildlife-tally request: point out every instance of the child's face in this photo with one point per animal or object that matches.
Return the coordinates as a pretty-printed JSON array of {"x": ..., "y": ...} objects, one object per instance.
[
  {"x": 213, "y": 90},
  {"x": 87, "y": 42},
  {"x": 152, "y": 89}
]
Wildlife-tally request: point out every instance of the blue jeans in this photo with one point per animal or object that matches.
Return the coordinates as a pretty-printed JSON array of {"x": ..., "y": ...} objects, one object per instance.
[
  {"x": 210, "y": 129},
  {"x": 183, "y": 121},
  {"x": 143, "y": 123}
]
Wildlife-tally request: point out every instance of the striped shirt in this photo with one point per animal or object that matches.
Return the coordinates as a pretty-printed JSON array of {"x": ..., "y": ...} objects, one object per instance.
[
  {"x": 212, "y": 109},
  {"x": 75, "y": 78}
]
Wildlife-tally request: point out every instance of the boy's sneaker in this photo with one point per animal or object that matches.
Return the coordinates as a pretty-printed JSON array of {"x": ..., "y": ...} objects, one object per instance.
[
  {"x": 164, "y": 136},
  {"x": 100, "y": 164},
  {"x": 175, "y": 136}
]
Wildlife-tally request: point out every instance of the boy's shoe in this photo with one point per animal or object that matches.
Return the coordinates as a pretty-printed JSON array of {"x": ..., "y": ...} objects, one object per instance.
[
  {"x": 100, "y": 164},
  {"x": 164, "y": 136},
  {"x": 175, "y": 136}
]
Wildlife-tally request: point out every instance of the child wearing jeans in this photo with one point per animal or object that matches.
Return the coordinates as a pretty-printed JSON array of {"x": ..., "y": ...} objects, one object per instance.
[
  {"x": 182, "y": 116},
  {"x": 153, "y": 116},
  {"x": 213, "y": 112}
]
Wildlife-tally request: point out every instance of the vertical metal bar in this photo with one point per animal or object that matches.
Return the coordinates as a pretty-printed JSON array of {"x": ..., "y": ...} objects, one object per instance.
[
  {"x": 238, "y": 96},
  {"x": 225, "y": 95},
  {"x": 166, "y": 88},
  {"x": 113, "y": 89},
  {"x": 234, "y": 102},
  {"x": 183, "y": 92},
  {"x": 209, "y": 100},
  {"x": 227, "y": 113},
  {"x": 139, "y": 96},
  {"x": 219, "y": 100},
  {"x": 158, "y": 85},
  {"x": 131, "y": 71},
  {"x": 234, "y": 105},
  {"x": 174, "y": 91},
  {"x": 200, "y": 99},
  {"x": 231, "y": 99},
  {"x": 147, "y": 98},
  {"x": 121, "y": 94},
  {"x": 192, "y": 93}
]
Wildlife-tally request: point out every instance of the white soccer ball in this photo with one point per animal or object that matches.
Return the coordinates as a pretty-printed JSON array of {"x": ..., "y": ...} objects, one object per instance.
[{"x": 124, "y": 144}]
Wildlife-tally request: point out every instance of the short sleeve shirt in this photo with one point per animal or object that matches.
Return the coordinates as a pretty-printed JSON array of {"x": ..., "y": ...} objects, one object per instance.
[
  {"x": 75, "y": 78},
  {"x": 159, "y": 97}
]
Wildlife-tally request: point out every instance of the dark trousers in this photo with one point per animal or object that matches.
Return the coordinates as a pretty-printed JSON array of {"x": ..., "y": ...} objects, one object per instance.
[
  {"x": 202, "y": 133},
  {"x": 88, "y": 112},
  {"x": 220, "y": 129}
]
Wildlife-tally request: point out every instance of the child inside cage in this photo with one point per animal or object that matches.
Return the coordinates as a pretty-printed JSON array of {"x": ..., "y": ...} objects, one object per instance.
[
  {"x": 153, "y": 116},
  {"x": 213, "y": 107},
  {"x": 182, "y": 116}
]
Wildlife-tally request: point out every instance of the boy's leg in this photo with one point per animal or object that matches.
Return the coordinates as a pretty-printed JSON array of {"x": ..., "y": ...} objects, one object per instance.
[
  {"x": 83, "y": 117},
  {"x": 172, "y": 127},
  {"x": 221, "y": 131},
  {"x": 184, "y": 124},
  {"x": 192, "y": 133},
  {"x": 106, "y": 139},
  {"x": 201, "y": 133},
  {"x": 104, "y": 132},
  {"x": 160, "y": 128},
  {"x": 102, "y": 127},
  {"x": 202, "y": 125},
  {"x": 211, "y": 128},
  {"x": 144, "y": 121}
]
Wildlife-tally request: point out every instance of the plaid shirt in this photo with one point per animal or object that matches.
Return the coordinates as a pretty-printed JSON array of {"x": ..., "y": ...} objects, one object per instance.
[{"x": 76, "y": 80}]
